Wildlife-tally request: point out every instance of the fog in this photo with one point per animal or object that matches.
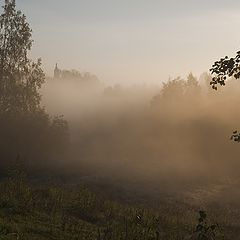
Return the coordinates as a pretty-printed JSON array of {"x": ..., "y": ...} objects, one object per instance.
[{"x": 173, "y": 135}]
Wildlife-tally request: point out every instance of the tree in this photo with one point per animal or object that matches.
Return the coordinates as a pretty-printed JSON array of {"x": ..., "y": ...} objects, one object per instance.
[
  {"x": 178, "y": 91},
  {"x": 192, "y": 87},
  {"x": 20, "y": 77},
  {"x": 223, "y": 69},
  {"x": 25, "y": 127},
  {"x": 171, "y": 92}
]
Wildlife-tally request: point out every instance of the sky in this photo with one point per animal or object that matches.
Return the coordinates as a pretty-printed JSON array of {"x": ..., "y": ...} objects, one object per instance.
[{"x": 133, "y": 41}]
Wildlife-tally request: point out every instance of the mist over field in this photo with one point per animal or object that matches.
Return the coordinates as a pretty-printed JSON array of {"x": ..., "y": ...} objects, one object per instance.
[
  {"x": 174, "y": 135},
  {"x": 134, "y": 134}
]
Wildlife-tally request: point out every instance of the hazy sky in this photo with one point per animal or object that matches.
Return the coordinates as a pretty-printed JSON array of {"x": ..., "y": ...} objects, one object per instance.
[{"x": 133, "y": 40}]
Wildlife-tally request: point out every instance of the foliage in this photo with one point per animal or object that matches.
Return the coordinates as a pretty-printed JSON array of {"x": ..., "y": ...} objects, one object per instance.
[
  {"x": 235, "y": 136},
  {"x": 25, "y": 126},
  {"x": 20, "y": 78},
  {"x": 178, "y": 90},
  {"x": 224, "y": 69},
  {"x": 206, "y": 231}
]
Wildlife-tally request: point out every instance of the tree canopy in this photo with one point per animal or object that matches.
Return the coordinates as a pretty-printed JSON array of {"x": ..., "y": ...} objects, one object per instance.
[
  {"x": 178, "y": 90},
  {"x": 20, "y": 77}
]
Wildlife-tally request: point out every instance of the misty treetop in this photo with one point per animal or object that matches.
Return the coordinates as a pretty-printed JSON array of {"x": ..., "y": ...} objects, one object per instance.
[
  {"x": 75, "y": 76},
  {"x": 178, "y": 89}
]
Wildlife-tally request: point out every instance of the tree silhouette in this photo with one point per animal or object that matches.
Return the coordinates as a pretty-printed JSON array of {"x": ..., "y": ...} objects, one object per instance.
[
  {"x": 172, "y": 91},
  {"x": 20, "y": 77},
  {"x": 24, "y": 125},
  {"x": 178, "y": 91},
  {"x": 224, "y": 69},
  {"x": 192, "y": 87}
]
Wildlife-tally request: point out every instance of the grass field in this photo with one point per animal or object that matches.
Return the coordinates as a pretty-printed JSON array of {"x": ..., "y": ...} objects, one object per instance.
[{"x": 57, "y": 211}]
